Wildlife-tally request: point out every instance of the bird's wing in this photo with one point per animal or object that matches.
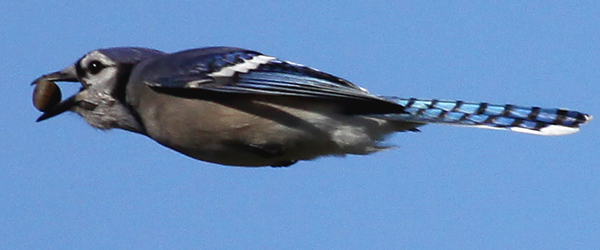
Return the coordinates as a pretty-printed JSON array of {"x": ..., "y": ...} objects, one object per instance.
[{"x": 239, "y": 71}]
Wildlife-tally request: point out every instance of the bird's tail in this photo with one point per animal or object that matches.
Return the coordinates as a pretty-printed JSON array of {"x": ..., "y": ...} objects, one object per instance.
[{"x": 530, "y": 120}]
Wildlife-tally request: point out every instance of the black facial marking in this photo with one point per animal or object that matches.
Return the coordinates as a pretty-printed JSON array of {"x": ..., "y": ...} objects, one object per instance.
[
  {"x": 120, "y": 91},
  {"x": 79, "y": 69}
]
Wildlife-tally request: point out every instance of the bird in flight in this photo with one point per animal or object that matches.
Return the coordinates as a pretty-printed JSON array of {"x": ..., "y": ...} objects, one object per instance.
[{"x": 239, "y": 107}]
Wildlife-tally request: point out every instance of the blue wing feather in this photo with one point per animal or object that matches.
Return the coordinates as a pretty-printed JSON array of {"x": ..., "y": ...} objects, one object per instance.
[{"x": 227, "y": 70}]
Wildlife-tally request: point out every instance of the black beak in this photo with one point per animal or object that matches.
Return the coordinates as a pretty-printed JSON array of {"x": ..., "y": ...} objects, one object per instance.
[
  {"x": 60, "y": 108},
  {"x": 68, "y": 74}
]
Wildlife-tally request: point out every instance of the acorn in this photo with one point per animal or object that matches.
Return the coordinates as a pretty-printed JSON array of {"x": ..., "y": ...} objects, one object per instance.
[{"x": 46, "y": 95}]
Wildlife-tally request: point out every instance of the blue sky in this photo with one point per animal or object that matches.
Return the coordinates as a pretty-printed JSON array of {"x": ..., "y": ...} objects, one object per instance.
[{"x": 65, "y": 185}]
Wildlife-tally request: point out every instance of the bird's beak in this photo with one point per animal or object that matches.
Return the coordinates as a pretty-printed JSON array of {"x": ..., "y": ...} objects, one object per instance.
[{"x": 68, "y": 74}]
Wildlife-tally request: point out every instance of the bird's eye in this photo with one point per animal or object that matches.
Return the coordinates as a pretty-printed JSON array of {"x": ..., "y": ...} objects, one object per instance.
[{"x": 95, "y": 67}]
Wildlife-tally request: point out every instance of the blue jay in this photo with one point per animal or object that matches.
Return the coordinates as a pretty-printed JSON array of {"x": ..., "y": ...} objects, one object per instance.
[{"x": 239, "y": 107}]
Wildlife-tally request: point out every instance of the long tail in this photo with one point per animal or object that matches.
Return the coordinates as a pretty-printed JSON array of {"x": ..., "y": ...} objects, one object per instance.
[{"x": 530, "y": 120}]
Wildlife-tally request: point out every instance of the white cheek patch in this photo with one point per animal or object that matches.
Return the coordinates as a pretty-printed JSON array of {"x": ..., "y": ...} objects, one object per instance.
[
  {"x": 243, "y": 67},
  {"x": 105, "y": 76}
]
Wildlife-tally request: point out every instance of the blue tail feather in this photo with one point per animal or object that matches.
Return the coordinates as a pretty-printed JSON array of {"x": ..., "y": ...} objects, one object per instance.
[{"x": 532, "y": 120}]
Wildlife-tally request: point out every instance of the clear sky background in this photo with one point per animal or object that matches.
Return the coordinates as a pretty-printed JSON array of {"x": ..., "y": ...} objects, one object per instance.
[{"x": 65, "y": 185}]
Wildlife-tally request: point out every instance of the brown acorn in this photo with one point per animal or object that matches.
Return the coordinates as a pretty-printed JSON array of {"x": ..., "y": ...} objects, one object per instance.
[{"x": 46, "y": 95}]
